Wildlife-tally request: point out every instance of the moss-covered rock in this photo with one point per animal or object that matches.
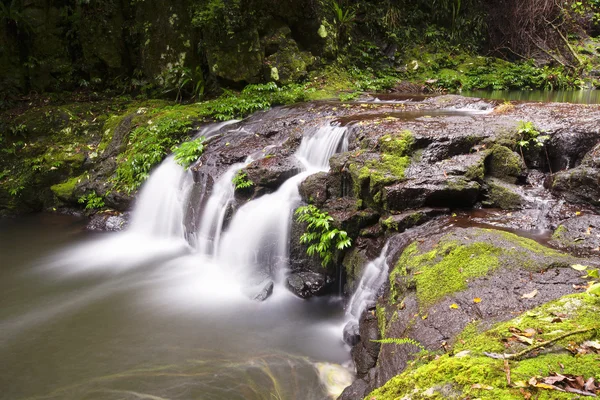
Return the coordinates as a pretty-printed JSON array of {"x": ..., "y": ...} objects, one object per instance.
[
  {"x": 466, "y": 372},
  {"x": 502, "y": 195},
  {"x": 505, "y": 164}
]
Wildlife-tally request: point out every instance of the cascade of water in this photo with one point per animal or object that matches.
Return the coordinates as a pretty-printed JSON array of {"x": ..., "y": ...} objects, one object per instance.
[
  {"x": 159, "y": 210},
  {"x": 213, "y": 216},
  {"x": 258, "y": 235},
  {"x": 372, "y": 279},
  {"x": 161, "y": 204}
]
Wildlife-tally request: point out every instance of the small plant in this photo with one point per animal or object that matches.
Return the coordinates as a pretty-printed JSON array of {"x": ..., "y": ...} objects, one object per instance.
[
  {"x": 529, "y": 135},
  {"x": 241, "y": 180},
  {"x": 92, "y": 201},
  {"x": 319, "y": 235},
  {"x": 188, "y": 152}
]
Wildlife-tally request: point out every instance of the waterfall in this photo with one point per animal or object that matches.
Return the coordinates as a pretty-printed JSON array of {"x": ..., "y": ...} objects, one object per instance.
[
  {"x": 160, "y": 207},
  {"x": 257, "y": 238},
  {"x": 373, "y": 277},
  {"x": 159, "y": 210}
]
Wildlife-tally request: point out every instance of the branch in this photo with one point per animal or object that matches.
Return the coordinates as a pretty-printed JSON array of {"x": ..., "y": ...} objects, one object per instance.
[
  {"x": 566, "y": 42},
  {"x": 537, "y": 346}
]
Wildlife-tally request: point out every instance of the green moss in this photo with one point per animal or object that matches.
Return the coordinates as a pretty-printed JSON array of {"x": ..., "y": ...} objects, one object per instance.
[
  {"x": 453, "y": 377},
  {"x": 502, "y": 197},
  {"x": 558, "y": 233},
  {"x": 504, "y": 163},
  {"x": 476, "y": 171},
  {"x": 64, "y": 191},
  {"x": 454, "y": 261},
  {"x": 381, "y": 319}
]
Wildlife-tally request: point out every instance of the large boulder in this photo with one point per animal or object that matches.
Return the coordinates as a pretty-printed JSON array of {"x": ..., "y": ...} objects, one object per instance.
[{"x": 443, "y": 282}]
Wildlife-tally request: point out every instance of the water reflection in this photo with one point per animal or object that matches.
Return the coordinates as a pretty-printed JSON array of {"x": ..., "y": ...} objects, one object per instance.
[{"x": 545, "y": 96}]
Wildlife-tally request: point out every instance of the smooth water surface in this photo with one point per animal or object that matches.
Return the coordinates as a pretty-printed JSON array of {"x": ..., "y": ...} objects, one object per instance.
[
  {"x": 117, "y": 316},
  {"x": 545, "y": 96}
]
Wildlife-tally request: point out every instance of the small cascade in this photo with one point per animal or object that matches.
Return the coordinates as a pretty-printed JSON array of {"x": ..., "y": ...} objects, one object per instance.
[
  {"x": 159, "y": 210},
  {"x": 213, "y": 216},
  {"x": 372, "y": 279},
  {"x": 257, "y": 238}
]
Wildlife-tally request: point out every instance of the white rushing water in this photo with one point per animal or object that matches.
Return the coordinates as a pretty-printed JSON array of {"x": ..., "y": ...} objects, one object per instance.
[
  {"x": 257, "y": 238},
  {"x": 373, "y": 277}
]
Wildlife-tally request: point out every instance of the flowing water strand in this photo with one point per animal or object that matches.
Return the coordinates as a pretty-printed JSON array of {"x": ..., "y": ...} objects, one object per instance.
[
  {"x": 373, "y": 277},
  {"x": 257, "y": 239}
]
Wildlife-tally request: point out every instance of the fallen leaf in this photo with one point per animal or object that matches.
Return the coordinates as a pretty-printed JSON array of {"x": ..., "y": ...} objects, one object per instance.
[
  {"x": 530, "y": 295},
  {"x": 526, "y": 394},
  {"x": 424, "y": 317},
  {"x": 594, "y": 289},
  {"x": 476, "y": 300},
  {"x": 579, "y": 267},
  {"x": 593, "y": 274},
  {"x": 549, "y": 387},
  {"x": 507, "y": 371},
  {"x": 454, "y": 306},
  {"x": 578, "y": 213},
  {"x": 524, "y": 339}
]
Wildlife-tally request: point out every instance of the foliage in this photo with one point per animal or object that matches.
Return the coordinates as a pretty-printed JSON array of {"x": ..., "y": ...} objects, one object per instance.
[
  {"x": 529, "y": 134},
  {"x": 321, "y": 237},
  {"x": 148, "y": 145},
  {"x": 241, "y": 180},
  {"x": 188, "y": 152},
  {"x": 92, "y": 201},
  {"x": 183, "y": 81}
]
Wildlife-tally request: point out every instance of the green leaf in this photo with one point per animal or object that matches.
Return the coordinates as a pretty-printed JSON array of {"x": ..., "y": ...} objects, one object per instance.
[
  {"x": 594, "y": 289},
  {"x": 579, "y": 267}
]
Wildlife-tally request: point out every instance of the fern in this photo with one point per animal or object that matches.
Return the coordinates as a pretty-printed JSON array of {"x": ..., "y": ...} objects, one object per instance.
[
  {"x": 188, "y": 152},
  {"x": 400, "y": 341},
  {"x": 320, "y": 236},
  {"x": 241, "y": 180}
]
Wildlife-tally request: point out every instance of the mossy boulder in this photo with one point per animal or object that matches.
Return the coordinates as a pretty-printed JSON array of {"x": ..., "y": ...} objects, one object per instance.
[
  {"x": 443, "y": 282},
  {"x": 505, "y": 164},
  {"x": 578, "y": 235},
  {"x": 500, "y": 194},
  {"x": 466, "y": 372},
  {"x": 285, "y": 62}
]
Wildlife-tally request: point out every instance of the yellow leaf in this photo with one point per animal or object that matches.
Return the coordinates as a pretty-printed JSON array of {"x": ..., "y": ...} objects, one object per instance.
[
  {"x": 578, "y": 213},
  {"x": 454, "y": 306},
  {"x": 480, "y": 386},
  {"x": 579, "y": 267},
  {"x": 546, "y": 386},
  {"x": 476, "y": 300},
  {"x": 424, "y": 316}
]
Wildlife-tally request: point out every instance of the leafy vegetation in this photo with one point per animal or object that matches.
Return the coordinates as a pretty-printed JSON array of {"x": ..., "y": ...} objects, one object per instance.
[
  {"x": 241, "y": 180},
  {"x": 188, "y": 152},
  {"x": 320, "y": 236},
  {"x": 400, "y": 341},
  {"x": 92, "y": 201}
]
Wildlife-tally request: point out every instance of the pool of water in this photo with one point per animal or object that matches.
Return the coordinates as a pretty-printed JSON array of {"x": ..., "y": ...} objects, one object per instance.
[{"x": 113, "y": 316}]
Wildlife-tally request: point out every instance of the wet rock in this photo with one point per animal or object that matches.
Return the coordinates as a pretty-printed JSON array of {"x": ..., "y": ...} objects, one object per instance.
[
  {"x": 262, "y": 291},
  {"x": 578, "y": 235},
  {"x": 406, "y": 220},
  {"x": 366, "y": 351},
  {"x": 500, "y": 194},
  {"x": 357, "y": 390},
  {"x": 299, "y": 260},
  {"x": 351, "y": 333},
  {"x": 314, "y": 189},
  {"x": 453, "y": 268},
  {"x": 307, "y": 284},
  {"x": 108, "y": 222},
  {"x": 505, "y": 164},
  {"x": 349, "y": 217},
  {"x": 581, "y": 184},
  {"x": 268, "y": 173},
  {"x": 567, "y": 147}
]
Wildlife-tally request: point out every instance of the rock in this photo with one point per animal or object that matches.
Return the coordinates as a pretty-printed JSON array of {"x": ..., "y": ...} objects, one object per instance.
[
  {"x": 314, "y": 189},
  {"x": 351, "y": 333},
  {"x": 307, "y": 284},
  {"x": 357, "y": 390},
  {"x": 262, "y": 291},
  {"x": 505, "y": 164},
  {"x": 567, "y": 147},
  {"x": 451, "y": 269},
  {"x": 365, "y": 352},
  {"x": 581, "y": 184},
  {"x": 579, "y": 235},
  {"x": 406, "y": 220},
  {"x": 107, "y": 221},
  {"x": 500, "y": 194},
  {"x": 285, "y": 62},
  {"x": 269, "y": 173}
]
